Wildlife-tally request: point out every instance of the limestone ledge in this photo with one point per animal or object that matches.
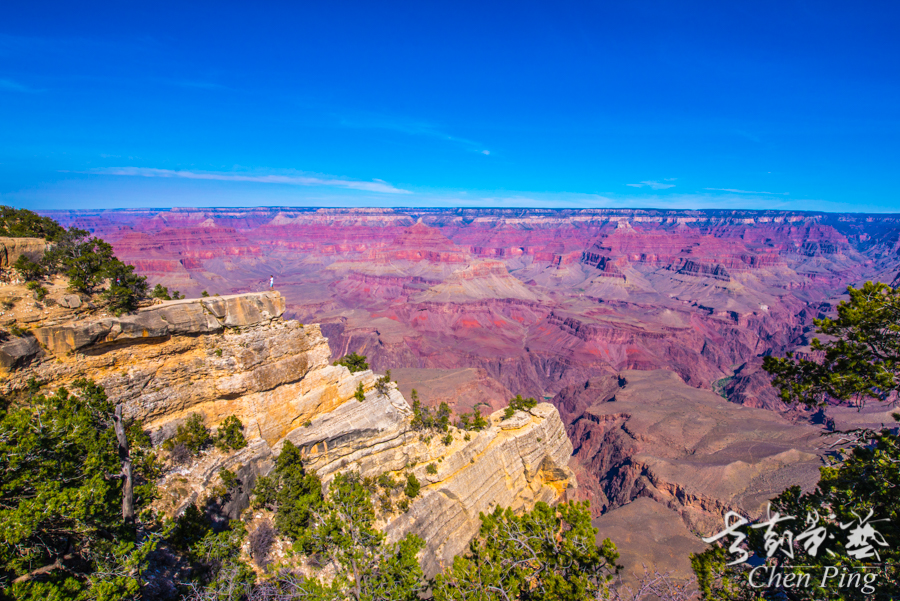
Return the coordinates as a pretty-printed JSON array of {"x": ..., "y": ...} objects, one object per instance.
[
  {"x": 274, "y": 375},
  {"x": 172, "y": 318},
  {"x": 513, "y": 463}
]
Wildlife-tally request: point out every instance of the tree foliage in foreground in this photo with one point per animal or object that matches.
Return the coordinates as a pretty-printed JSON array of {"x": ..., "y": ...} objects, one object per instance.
[
  {"x": 62, "y": 532},
  {"x": 861, "y": 354},
  {"x": 868, "y": 480},
  {"x": 371, "y": 569},
  {"x": 548, "y": 554},
  {"x": 292, "y": 493},
  {"x": 862, "y": 486}
]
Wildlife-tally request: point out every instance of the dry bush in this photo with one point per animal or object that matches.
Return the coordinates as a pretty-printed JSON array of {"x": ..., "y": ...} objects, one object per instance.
[
  {"x": 180, "y": 454},
  {"x": 656, "y": 585},
  {"x": 261, "y": 541}
]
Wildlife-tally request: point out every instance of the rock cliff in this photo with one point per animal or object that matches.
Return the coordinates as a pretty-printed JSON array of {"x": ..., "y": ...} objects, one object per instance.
[
  {"x": 12, "y": 248},
  {"x": 235, "y": 355}
]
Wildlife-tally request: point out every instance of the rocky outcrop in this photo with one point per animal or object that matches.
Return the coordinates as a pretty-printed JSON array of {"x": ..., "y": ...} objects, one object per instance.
[
  {"x": 236, "y": 356},
  {"x": 513, "y": 463},
  {"x": 174, "y": 318},
  {"x": 12, "y": 248},
  {"x": 17, "y": 353}
]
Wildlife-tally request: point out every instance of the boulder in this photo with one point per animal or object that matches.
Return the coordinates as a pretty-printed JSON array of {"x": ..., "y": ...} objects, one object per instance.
[
  {"x": 17, "y": 352},
  {"x": 69, "y": 301}
]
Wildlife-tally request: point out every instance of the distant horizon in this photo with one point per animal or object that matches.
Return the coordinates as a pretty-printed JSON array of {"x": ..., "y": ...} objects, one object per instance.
[{"x": 449, "y": 208}]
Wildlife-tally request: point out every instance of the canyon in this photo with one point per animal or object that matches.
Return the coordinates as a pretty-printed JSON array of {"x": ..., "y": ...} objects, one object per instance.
[{"x": 645, "y": 329}]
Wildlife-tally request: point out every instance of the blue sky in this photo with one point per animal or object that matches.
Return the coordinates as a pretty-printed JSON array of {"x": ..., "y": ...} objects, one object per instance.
[{"x": 791, "y": 105}]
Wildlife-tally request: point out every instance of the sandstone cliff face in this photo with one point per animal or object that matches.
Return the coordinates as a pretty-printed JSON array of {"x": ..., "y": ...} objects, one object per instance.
[
  {"x": 513, "y": 463},
  {"x": 236, "y": 356},
  {"x": 12, "y": 248}
]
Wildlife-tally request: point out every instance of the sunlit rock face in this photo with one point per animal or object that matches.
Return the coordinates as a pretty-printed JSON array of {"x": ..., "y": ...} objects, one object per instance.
[
  {"x": 12, "y": 248},
  {"x": 236, "y": 355}
]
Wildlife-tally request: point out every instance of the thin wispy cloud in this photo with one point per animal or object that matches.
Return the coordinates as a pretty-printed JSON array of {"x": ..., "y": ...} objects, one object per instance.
[
  {"x": 414, "y": 128},
  {"x": 13, "y": 86},
  {"x": 654, "y": 185},
  {"x": 376, "y": 185},
  {"x": 736, "y": 191}
]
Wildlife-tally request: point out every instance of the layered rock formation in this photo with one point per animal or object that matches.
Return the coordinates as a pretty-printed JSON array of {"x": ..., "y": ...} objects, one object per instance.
[
  {"x": 235, "y": 355},
  {"x": 463, "y": 303},
  {"x": 513, "y": 463},
  {"x": 647, "y": 434},
  {"x": 540, "y": 299},
  {"x": 650, "y": 449}
]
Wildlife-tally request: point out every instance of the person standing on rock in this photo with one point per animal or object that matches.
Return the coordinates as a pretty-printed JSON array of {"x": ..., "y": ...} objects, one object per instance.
[{"x": 271, "y": 282}]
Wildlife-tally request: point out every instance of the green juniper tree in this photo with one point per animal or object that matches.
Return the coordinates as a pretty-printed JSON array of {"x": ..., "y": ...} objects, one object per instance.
[
  {"x": 861, "y": 356},
  {"x": 548, "y": 554},
  {"x": 292, "y": 493},
  {"x": 82, "y": 258},
  {"x": 371, "y": 569},
  {"x": 125, "y": 288},
  {"x": 860, "y": 486},
  {"x": 29, "y": 270},
  {"x": 66, "y": 510},
  {"x": 518, "y": 404},
  {"x": 230, "y": 435},
  {"x": 22, "y": 223},
  {"x": 353, "y": 362}
]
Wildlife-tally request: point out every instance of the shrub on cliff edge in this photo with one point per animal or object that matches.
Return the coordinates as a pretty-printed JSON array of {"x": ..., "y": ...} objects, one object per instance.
[
  {"x": 22, "y": 223},
  {"x": 518, "y": 404},
  {"x": 30, "y": 271},
  {"x": 353, "y": 362},
  {"x": 193, "y": 434},
  {"x": 549, "y": 553},
  {"x": 292, "y": 493}
]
